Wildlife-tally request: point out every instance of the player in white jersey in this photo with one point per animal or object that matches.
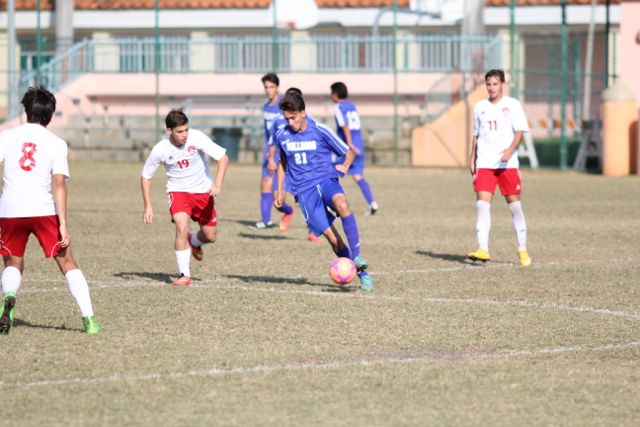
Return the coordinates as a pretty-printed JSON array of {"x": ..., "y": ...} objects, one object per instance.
[
  {"x": 34, "y": 200},
  {"x": 499, "y": 123},
  {"x": 191, "y": 190}
]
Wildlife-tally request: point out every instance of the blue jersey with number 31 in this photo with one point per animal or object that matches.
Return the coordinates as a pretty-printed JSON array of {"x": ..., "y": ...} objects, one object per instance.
[{"x": 308, "y": 154}]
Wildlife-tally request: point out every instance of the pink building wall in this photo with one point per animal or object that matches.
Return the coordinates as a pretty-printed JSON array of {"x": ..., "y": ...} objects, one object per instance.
[{"x": 630, "y": 45}]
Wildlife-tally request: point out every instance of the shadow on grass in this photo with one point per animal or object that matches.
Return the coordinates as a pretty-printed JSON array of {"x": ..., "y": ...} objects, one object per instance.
[
  {"x": 158, "y": 277},
  {"x": 20, "y": 322},
  {"x": 288, "y": 281},
  {"x": 262, "y": 236},
  {"x": 462, "y": 259}
]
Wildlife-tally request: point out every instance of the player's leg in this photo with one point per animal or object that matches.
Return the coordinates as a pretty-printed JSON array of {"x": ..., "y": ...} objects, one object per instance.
[
  {"x": 484, "y": 184},
  {"x": 78, "y": 287},
  {"x": 14, "y": 234},
  {"x": 266, "y": 199},
  {"x": 47, "y": 231},
  {"x": 182, "y": 248},
  {"x": 338, "y": 201},
  {"x": 510, "y": 186},
  {"x": 337, "y": 244},
  {"x": 286, "y": 209},
  {"x": 357, "y": 171},
  {"x": 11, "y": 281},
  {"x": 204, "y": 213}
]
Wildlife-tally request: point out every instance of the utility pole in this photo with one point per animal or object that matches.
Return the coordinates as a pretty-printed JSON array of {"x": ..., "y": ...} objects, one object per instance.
[
  {"x": 38, "y": 45},
  {"x": 275, "y": 43},
  {"x": 157, "y": 63},
  {"x": 11, "y": 60},
  {"x": 564, "y": 77},
  {"x": 396, "y": 127}
]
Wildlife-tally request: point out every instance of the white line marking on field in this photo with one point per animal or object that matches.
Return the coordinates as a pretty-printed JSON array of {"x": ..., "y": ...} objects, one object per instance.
[
  {"x": 267, "y": 369},
  {"x": 224, "y": 281}
]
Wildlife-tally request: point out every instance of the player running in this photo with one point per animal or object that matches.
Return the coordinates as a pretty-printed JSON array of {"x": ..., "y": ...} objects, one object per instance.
[
  {"x": 271, "y": 111},
  {"x": 499, "y": 123},
  {"x": 348, "y": 122},
  {"x": 191, "y": 190},
  {"x": 305, "y": 156},
  {"x": 34, "y": 200}
]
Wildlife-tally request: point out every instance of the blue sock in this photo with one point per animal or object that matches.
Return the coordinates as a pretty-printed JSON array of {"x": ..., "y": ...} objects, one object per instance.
[
  {"x": 285, "y": 209},
  {"x": 350, "y": 228},
  {"x": 266, "y": 200},
  {"x": 345, "y": 252},
  {"x": 366, "y": 190}
]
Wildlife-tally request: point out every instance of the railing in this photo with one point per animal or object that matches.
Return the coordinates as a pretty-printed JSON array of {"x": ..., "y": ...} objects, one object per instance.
[{"x": 414, "y": 53}]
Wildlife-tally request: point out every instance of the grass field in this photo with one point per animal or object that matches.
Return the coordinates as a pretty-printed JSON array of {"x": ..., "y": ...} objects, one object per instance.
[{"x": 264, "y": 338}]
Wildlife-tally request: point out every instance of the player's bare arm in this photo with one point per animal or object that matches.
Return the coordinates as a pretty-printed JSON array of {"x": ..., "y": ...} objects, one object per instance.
[
  {"x": 472, "y": 157},
  {"x": 223, "y": 164},
  {"x": 271, "y": 162},
  {"x": 348, "y": 139},
  {"x": 59, "y": 190},
  {"x": 145, "y": 186},
  {"x": 506, "y": 154},
  {"x": 279, "y": 199},
  {"x": 348, "y": 159}
]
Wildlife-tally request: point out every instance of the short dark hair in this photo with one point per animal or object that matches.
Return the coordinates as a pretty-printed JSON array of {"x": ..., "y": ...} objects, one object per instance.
[
  {"x": 175, "y": 118},
  {"x": 495, "y": 73},
  {"x": 294, "y": 90},
  {"x": 271, "y": 77},
  {"x": 39, "y": 104},
  {"x": 292, "y": 101},
  {"x": 340, "y": 89}
]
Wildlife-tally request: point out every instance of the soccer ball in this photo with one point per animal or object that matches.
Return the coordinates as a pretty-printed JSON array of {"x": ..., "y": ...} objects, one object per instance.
[{"x": 342, "y": 271}]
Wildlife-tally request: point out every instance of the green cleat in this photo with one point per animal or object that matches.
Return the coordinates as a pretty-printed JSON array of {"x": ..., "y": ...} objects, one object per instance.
[
  {"x": 360, "y": 262},
  {"x": 366, "y": 284},
  {"x": 6, "y": 319},
  {"x": 90, "y": 325}
]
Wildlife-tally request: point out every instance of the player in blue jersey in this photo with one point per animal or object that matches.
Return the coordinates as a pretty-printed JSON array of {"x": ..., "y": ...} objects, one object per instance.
[
  {"x": 274, "y": 155},
  {"x": 348, "y": 122},
  {"x": 305, "y": 157},
  {"x": 271, "y": 111}
]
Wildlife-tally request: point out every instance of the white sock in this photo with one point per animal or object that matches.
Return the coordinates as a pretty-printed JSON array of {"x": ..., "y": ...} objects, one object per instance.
[
  {"x": 519, "y": 224},
  {"x": 80, "y": 291},
  {"x": 195, "y": 241},
  {"x": 184, "y": 258},
  {"x": 11, "y": 280},
  {"x": 483, "y": 225}
]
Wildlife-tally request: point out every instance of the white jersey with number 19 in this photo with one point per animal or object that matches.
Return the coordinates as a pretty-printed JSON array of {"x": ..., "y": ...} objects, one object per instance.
[
  {"x": 31, "y": 155},
  {"x": 187, "y": 166}
]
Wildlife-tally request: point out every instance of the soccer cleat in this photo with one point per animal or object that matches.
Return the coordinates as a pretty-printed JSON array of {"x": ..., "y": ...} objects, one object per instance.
[
  {"x": 312, "y": 238},
  {"x": 366, "y": 284},
  {"x": 90, "y": 325},
  {"x": 373, "y": 208},
  {"x": 284, "y": 222},
  {"x": 479, "y": 255},
  {"x": 6, "y": 319},
  {"x": 360, "y": 262},
  {"x": 196, "y": 252},
  {"x": 182, "y": 280},
  {"x": 525, "y": 260},
  {"x": 261, "y": 225}
]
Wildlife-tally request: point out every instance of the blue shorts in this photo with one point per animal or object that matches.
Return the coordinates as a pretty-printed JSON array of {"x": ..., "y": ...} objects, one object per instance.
[
  {"x": 314, "y": 202},
  {"x": 357, "y": 167},
  {"x": 274, "y": 175}
]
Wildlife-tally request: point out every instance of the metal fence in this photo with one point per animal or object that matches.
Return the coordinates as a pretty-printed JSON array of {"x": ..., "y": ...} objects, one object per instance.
[{"x": 410, "y": 53}]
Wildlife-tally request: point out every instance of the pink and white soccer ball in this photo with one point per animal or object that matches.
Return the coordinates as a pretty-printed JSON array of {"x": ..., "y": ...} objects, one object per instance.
[{"x": 342, "y": 271}]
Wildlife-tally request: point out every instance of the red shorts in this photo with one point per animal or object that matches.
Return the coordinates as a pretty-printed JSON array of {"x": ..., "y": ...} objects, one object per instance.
[
  {"x": 198, "y": 206},
  {"x": 507, "y": 179},
  {"x": 14, "y": 235}
]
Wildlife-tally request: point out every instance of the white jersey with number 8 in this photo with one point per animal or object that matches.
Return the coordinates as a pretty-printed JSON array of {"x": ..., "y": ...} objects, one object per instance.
[{"x": 31, "y": 155}]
